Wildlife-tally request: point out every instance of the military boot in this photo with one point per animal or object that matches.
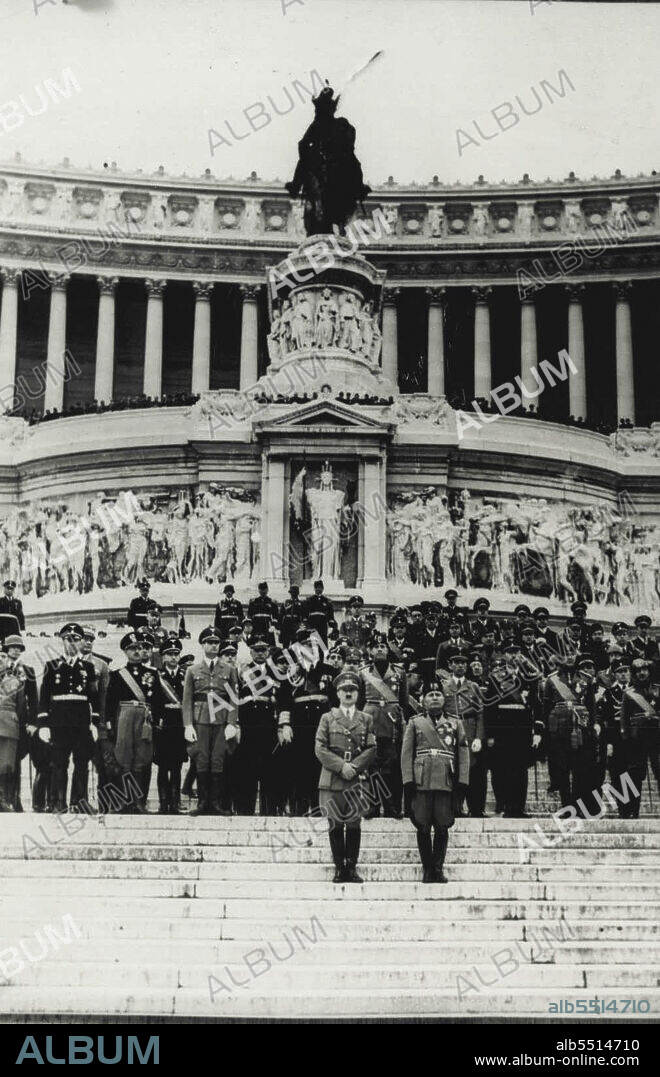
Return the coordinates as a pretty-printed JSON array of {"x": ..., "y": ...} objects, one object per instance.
[
  {"x": 336, "y": 836},
  {"x": 425, "y": 847},
  {"x": 203, "y": 791},
  {"x": 353, "y": 837},
  {"x": 440, "y": 841}
]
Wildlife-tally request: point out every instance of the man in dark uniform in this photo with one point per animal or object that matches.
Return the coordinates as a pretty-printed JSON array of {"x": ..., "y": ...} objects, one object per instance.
[
  {"x": 133, "y": 691},
  {"x": 642, "y": 645},
  {"x": 169, "y": 741},
  {"x": 579, "y": 611},
  {"x": 640, "y": 724},
  {"x": 621, "y": 639},
  {"x": 354, "y": 626},
  {"x": 137, "y": 611},
  {"x": 541, "y": 616},
  {"x": 522, "y": 613},
  {"x": 568, "y": 717},
  {"x": 513, "y": 729},
  {"x": 435, "y": 764},
  {"x": 291, "y": 616},
  {"x": 346, "y": 748},
  {"x": 447, "y": 648},
  {"x": 228, "y": 612},
  {"x": 319, "y": 612},
  {"x": 596, "y": 648},
  {"x": 384, "y": 698},
  {"x": 481, "y": 622},
  {"x": 68, "y": 717},
  {"x": 453, "y": 612},
  {"x": 463, "y": 700},
  {"x": 103, "y": 755},
  {"x": 300, "y": 704},
  {"x": 11, "y": 607},
  {"x": 608, "y": 702},
  {"x": 535, "y": 653},
  {"x": 254, "y": 768},
  {"x": 211, "y": 719},
  {"x": 398, "y": 643},
  {"x": 425, "y": 644},
  {"x": 264, "y": 614}
]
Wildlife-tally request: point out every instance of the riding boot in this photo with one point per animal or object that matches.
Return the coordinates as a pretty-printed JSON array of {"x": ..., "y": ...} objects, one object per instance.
[
  {"x": 39, "y": 787},
  {"x": 175, "y": 791},
  {"x": 6, "y": 783},
  {"x": 203, "y": 790},
  {"x": 143, "y": 778},
  {"x": 163, "y": 792},
  {"x": 440, "y": 841},
  {"x": 58, "y": 787},
  {"x": 353, "y": 836},
  {"x": 189, "y": 779},
  {"x": 217, "y": 789},
  {"x": 336, "y": 836},
  {"x": 426, "y": 854}
]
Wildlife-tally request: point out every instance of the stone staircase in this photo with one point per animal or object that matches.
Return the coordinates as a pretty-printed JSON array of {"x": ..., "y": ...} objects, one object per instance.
[{"x": 163, "y": 904}]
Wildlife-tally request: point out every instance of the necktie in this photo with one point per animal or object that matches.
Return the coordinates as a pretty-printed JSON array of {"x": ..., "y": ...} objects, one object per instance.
[{"x": 211, "y": 664}]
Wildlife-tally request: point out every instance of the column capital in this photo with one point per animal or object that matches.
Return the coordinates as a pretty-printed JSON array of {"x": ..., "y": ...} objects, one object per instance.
[
  {"x": 482, "y": 293},
  {"x": 10, "y": 275},
  {"x": 250, "y": 291},
  {"x": 575, "y": 292},
  {"x": 155, "y": 288},
  {"x": 203, "y": 289},
  {"x": 437, "y": 295},
  {"x": 390, "y": 295},
  {"x": 58, "y": 282},
  {"x": 107, "y": 285},
  {"x": 622, "y": 289},
  {"x": 528, "y": 301}
]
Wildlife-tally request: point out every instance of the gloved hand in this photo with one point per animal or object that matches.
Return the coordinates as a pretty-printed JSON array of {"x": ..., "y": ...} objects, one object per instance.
[
  {"x": 348, "y": 772},
  {"x": 95, "y": 733},
  {"x": 190, "y": 734},
  {"x": 596, "y": 729},
  {"x": 458, "y": 796},
  {"x": 230, "y": 731},
  {"x": 610, "y": 751},
  {"x": 285, "y": 734},
  {"x": 536, "y": 740},
  {"x": 408, "y": 797},
  {"x": 31, "y": 730},
  {"x": 44, "y": 734},
  {"x": 476, "y": 745}
]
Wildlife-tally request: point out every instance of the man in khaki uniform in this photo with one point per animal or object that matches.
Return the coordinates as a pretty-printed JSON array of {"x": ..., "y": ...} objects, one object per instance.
[
  {"x": 435, "y": 766},
  {"x": 345, "y": 747},
  {"x": 210, "y": 717}
]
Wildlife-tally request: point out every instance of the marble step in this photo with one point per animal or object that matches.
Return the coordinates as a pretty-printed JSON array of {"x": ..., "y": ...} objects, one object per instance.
[{"x": 263, "y": 1001}]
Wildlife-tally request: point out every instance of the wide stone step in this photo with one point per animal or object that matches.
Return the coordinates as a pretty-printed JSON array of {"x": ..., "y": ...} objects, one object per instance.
[
  {"x": 28, "y": 870},
  {"x": 264, "y": 1000},
  {"x": 285, "y": 890}
]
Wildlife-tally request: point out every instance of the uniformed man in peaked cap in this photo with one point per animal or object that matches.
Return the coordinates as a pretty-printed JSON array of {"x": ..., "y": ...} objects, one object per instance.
[
  {"x": 346, "y": 748},
  {"x": 640, "y": 728},
  {"x": 169, "y": 743},
  {"x": 435, "y": 766},
  {"x": 132, "y": 692}
]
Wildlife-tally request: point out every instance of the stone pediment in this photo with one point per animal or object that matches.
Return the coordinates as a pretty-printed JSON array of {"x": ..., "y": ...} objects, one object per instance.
[{"x": 325, "y": 415}]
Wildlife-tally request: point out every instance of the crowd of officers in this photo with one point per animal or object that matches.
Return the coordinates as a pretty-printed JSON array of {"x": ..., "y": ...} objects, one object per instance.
[{"x": 410, "y": 720}]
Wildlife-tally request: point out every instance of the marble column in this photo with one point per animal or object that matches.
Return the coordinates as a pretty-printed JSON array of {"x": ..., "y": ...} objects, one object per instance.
[
  {"x": 54, "y": 391},
  {"x": 249, "y": 336},
  {"x": 105, "y": 340},
  {"x": 482, "y": 370},
  {"x": 153, "y": 339},
  {"x": 436, "y": 341},
  {"x": 577, "y": 383},
  {"x": 201, "y": 364},
  {"x": 8, "y": 332},
  {"x": 274, "y": 520},
  {"x": 528, "y": 344},
  {"x": 625, "y": 375},
  {"x": 390, "y": 348},
  {"x": 371, "y": 547}
]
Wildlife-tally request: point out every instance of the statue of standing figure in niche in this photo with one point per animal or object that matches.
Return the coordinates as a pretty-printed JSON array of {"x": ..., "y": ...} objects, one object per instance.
[
  {"x": 325, "y": 506},
  {"x": 328, "y": 175}
]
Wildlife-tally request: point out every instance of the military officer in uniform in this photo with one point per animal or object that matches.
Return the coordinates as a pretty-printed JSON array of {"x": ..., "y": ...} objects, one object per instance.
[
  {"x": 12, "y": 726},
  {"x": 608, "y": 701},
  {"x": 293, "y": 612},
  {"x": 169, "y": 741},
  {"x": 455, "y": 642},
  {"x": 435, "y": 765},
  {"x": 319, "y": 612},
  {"x": 264, "y": 614},
  {"x": 228, "y": 612},
  {"x": 10, "y": 606},
  {"x": 254, "y": 766},
  {"x": 453, "y": 612},
  {"x": 300, "y": 704},
  {"x": 463, "y": 700},
  {"x": 384, "y": 697},
  {"x": 210, "y": 718},
  {"x": 568, "y": 717},
  {"x": 640, "y": 735},
  {"x": 14, "y": 648},
  {"x": 133, "y": 691},
  {"x": 137, "y": 611},
  {"x": 642, "y": 645},
  {"x": 345, "y": 748},
  {"x": 513, "y": 728},
  {"x": 68, "y": 717}
]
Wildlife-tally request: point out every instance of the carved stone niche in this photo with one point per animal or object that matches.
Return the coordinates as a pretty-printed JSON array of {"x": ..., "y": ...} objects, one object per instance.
[
  {"x": 595, "y": 209},
  {"x": 276, "y": 214},
  {"x": 413, "y": 215},
  {"x": 39, "y": 197},
  {"x": 182, "y": 209},
  {"x": 458, "y": 214},
  {"x": 503, "y": 215},
  {"x": 549, "y": 213},
  {"x": 643, "y": 208},
  {"x": 135, "y": 205},
  {"x": 228, "y": 212},
  {"x": 86, "y": 202}
]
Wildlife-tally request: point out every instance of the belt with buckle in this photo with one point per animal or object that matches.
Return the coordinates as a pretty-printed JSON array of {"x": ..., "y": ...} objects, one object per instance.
[
  {"x": 432, "y": 751},
  {"x": 172, "y": 706},
  {"x": 60, "y": 699}
]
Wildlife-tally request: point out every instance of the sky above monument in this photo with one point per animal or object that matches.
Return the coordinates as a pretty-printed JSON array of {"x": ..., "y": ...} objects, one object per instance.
[{"x": 156, "y": 75}]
